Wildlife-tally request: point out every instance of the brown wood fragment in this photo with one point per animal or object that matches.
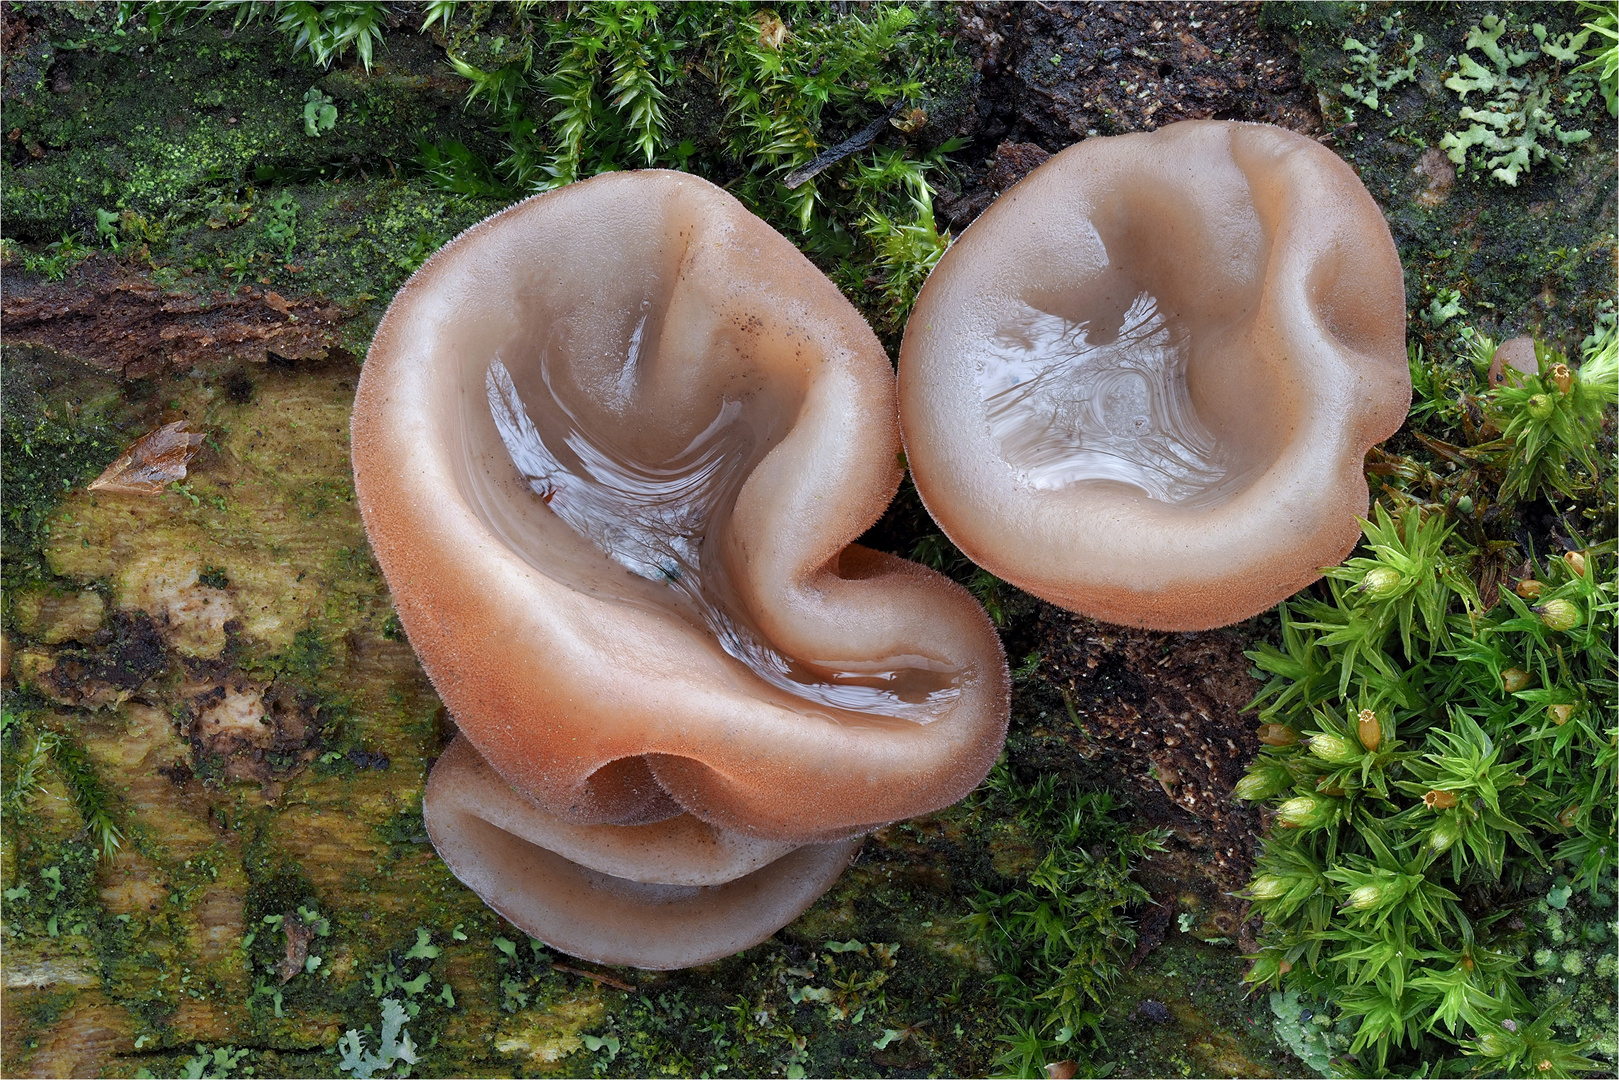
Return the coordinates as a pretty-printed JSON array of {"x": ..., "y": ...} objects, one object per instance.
[
  {"x": 115, "y": 317},
  {"x": 156, "y": 460},
  {"x": 298, "y": 938},
  {"x": 605, "y": 980}
]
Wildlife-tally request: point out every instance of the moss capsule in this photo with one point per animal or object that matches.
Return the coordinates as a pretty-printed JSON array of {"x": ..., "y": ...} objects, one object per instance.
[
  {"x": 1444, "y": 835},
  {"x": 1369, "y": 729},
  {"x": 1530, "y": 589},
  {"x": 1382, "y": 582},
  {"x": 1541, "y": 407},
  {"x": 1439, "y": 800},
  {"x": 1559, "y": 614},
  {"x": 1333, "y": 748},
  {"x": 1260, "y": 785},
  {"x": 1366, "y": 896},
  {"x": 1277, "y": 735},
  {"x": 1575, "y": 561},
  {"x": 1560, "y": 714},
  {"x": 1514, "y": 679},
  {"x": 1562, "y": 377},
  {"x": 1303, "y": 811},
  {"x": 1267, "y": 887}
]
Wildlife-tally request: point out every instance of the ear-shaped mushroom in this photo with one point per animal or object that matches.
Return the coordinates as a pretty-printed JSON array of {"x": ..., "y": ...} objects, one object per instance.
[
  {"x": 612, "y": 446},
  {"x": 1143, "y": 383}
]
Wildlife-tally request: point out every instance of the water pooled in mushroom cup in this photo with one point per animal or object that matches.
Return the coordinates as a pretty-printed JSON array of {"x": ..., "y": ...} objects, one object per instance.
[
  {"x": 613, "y": 447},
  {"x": 1142, "y": 384}
]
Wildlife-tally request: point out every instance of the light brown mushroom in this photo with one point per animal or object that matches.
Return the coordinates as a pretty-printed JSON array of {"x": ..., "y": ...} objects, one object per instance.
[
  {"x": 1514, "y": 354},
  {"x": 612, "y": 447},
  {"x": 1143, "y": 383}
]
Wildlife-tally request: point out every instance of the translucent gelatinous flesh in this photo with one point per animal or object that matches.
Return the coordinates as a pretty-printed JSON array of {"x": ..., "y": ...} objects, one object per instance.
[
  {"x": 652, "y": 518},
  {"x": 1068, "y": 402},
  {"x": 615, "y": 447},
  {"x": 730, "y": 891},
  {"x": 1143, "y": 383}
]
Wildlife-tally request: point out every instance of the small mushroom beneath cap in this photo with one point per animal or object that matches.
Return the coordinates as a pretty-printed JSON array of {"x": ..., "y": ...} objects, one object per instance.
[{"x": 1514, "y": 354}]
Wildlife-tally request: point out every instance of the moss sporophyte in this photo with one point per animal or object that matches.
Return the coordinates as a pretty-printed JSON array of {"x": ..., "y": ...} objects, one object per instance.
[{"x": 1488, "y": 784}]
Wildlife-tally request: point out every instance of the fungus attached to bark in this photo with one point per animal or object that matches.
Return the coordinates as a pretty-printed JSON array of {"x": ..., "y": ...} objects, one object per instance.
[
  {"x": 1143, "y": 383},
  {"x": 612, "y": 447}
]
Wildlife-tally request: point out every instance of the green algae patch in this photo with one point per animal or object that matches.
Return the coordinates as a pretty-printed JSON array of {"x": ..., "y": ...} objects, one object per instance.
[
  {"x": 63, "y": 424},
  {"x": 265, "y": 771},
  {"x": 202, "y": 109},
  {"x": 1185, "y": 1012}
]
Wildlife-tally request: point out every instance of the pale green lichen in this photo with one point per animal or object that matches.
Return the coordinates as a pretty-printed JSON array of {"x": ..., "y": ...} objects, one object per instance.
[
  {"x": 393, "y": 1046},
  {"x": 1525, "y": 107},
  {"x": 1374, "y": 73}
]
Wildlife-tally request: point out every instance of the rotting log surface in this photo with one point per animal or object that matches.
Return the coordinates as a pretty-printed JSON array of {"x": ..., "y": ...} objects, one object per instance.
[{"x": 225, "y": 654}]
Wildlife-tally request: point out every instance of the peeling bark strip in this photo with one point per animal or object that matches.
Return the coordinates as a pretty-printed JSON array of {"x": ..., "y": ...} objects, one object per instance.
[{"x": 118, "y": 319}]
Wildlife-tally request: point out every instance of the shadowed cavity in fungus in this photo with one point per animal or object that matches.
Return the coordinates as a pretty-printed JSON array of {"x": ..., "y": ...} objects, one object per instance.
[
  {"x": 1142, "y": 384},
  {"x": 612, "y": 447}
]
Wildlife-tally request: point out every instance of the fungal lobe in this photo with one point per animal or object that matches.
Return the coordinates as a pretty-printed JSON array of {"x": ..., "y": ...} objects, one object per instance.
[
  {"x": 1142, "y": 384},
  {"x": 612, "y": 447}
]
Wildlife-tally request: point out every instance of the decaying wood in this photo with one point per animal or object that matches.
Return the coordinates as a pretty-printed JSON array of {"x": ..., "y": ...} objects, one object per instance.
[{"x": 120, "y": 320}]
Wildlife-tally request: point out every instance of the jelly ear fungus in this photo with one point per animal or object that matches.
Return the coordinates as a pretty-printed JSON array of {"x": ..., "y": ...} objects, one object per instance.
[
  {"x": 1142, "y": 384},
  {"x": 612, "y": 447}
]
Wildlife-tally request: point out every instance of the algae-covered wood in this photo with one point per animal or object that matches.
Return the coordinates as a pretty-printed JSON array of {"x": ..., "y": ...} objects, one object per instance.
[{"x": 216, "y": 737}]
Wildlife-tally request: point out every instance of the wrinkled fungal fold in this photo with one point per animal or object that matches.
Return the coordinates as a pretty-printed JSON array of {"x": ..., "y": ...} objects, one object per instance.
[{"x": 613, "y": 446}]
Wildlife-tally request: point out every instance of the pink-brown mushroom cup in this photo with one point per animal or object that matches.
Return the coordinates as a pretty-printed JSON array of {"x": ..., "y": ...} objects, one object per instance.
[
  {"x": 612, "y": 447},
  {"x": 1143, "y": 383}
]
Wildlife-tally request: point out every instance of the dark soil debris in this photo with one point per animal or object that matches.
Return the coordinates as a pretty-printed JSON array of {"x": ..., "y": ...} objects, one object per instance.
[
  {"x": 1167, "y": 710},
  {"x": 1055, "y": 73},
  {"x": 128, "y": 653},
  {"x": 241, "y": 730},
  {"x": 1155, "y": 1011}
]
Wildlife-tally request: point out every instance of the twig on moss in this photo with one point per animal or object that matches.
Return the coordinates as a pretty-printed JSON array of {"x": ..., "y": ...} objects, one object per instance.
[
  {"x": 605, "y": 980},
  {"x": 852, "y": 145}
]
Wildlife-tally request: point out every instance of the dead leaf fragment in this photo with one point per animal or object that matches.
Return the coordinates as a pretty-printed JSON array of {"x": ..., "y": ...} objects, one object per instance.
[
  {"x": 159, "y": 458},
  {"x": 298, "y": 938},
  {"x": 772, "y": 32}
]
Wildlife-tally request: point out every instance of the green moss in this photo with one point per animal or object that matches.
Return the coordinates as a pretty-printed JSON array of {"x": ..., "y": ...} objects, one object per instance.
[
  {"x": 60, "y": 430},
  {"x": 44, "y": 1010},
  {"x": 200, "y": 157}
]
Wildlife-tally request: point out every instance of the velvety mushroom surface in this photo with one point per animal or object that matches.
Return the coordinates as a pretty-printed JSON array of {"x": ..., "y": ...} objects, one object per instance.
[
  {"x": 612, "y": 446},
  {"x": 1143, "y": 383}
]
